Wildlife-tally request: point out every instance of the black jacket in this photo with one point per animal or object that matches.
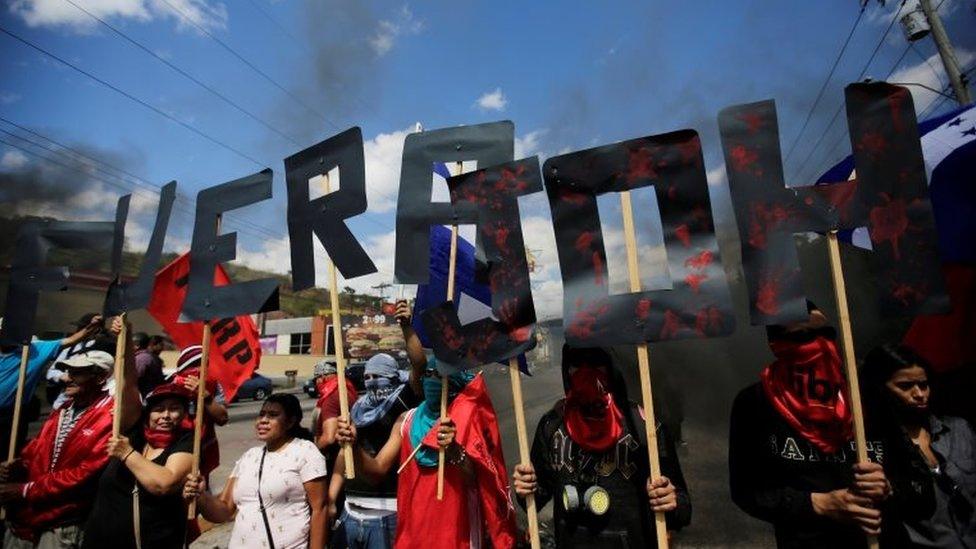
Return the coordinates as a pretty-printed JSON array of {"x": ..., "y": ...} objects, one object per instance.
[
  {"x": 622, "y": 471},
  {"x": 773, "y": 470}
]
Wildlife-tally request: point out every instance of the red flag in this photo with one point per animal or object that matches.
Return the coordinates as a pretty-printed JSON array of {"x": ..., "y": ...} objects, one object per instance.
[
  {"x": 235, "y": 351},
  {"x": 946, "y": 341}
]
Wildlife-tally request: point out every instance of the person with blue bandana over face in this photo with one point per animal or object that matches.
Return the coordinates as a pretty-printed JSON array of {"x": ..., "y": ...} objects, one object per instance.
[
  {"x": 369, "y": 514},
  {"x": 476, "y": 510}
]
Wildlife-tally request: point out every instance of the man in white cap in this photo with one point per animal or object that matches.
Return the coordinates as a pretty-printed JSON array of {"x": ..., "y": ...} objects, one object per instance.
[
  {"x": 50, "y": 489},
  {"x": 41, "y": 353}
]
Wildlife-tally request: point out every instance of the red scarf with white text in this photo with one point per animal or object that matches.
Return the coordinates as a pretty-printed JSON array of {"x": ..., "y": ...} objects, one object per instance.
[{"x": 806, "y": 386}]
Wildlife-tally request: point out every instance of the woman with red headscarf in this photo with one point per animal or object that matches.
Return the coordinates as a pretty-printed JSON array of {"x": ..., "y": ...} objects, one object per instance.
[{"x": 590, "y": 457}]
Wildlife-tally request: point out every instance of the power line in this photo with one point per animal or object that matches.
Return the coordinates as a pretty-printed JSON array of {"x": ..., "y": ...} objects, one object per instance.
[
  {"x": 128, "y": 95},
  {"x": 187, "y": 75},
  {"x": 253, "y": 67},
  {"x": 823, "y": 87},
  {"x": 151, "y": 107},
  {"x": 133, "y": 182},
  {"x": 864, "y": 70}
]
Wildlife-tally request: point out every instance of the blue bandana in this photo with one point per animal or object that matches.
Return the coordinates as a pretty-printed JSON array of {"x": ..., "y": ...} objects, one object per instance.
[
  {"x": 428, "y": 413},
  {"x": 381, "y": 393}
]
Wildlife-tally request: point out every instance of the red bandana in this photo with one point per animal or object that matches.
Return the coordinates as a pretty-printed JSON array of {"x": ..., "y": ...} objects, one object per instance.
[
  {"x": 806, "y": 385},
  {"x": 588, "y": 389},
  {"x": 157, "y": 438}
]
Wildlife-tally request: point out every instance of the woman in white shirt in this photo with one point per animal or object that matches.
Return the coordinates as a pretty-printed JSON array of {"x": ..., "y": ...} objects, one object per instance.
[{"x": 277, "y": 491}]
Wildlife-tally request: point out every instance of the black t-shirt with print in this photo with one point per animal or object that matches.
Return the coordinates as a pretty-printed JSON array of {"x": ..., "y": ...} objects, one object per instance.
[
  {"x": 622, "y": 471},
  {"x": 773, "y": 470}
]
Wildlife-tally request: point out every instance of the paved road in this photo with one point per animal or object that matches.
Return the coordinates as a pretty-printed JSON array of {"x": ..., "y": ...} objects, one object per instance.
[{"x": 716, "y": 522}]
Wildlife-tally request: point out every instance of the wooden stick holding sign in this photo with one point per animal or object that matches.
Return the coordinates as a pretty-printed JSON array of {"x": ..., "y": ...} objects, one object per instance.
[
  {"x": 451, "y": 268},
  {"x": 119, "y": 375},
  {"x": 200, "y": 409},
  {"x": 340, "y": 353},
  {"x": 18, "y": 404},
  {"x": 643, "y": 365},
  {"x": 523, "y": 442},
  {"x": 847, "y": 345},
  {"x": 201, "y": 402}
]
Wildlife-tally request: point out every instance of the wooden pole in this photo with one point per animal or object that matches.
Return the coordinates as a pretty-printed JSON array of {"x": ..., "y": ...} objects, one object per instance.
[
  {"x": 847, "y": 345},
  {"x": 201, "y": 401},
  {"x": 18, "y": 404},
  {"x": 451, "y": 268},
  {"x": 200, "y": 409},
  {"x": 340, "y": 354},
  {"x": 119, "y": 374},
  {"x": 523, "y": 442},
  {"x": 643, "y": 365}
]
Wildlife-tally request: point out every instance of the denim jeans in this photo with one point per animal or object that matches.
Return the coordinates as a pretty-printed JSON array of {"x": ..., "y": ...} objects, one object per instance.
[{"x": 367, "y": 534}]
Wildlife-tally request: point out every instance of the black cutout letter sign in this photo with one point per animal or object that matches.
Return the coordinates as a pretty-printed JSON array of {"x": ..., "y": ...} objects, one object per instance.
[
  {"x": 699, "y": 305},
  {"x": 135, "y": 295},
  {"x": 204, "y": 301},
  {"x": 29, "y": 275},
  {"x": 494, "y": 193},
  {"x": 889, "y": 196},
  {"x": 489, "y": 144},
  {"x": 325, "y": 216}
]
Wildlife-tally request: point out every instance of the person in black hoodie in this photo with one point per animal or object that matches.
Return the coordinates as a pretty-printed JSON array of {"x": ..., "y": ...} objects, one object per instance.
[
  {"x": 792, "y": 460},
  {"x": 590, "y": 456}
]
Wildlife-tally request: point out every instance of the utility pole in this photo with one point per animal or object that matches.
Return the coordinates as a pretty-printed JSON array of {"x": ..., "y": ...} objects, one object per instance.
[{"x": 948, "y": 55}]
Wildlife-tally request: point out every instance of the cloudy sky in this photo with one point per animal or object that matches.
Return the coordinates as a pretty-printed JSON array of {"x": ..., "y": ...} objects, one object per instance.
[{"x": 203, "y": 92}]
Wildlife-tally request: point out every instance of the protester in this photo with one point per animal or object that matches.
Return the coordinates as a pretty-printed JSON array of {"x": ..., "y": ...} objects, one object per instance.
[
  {"x": 369, "y": 515},
  {"x": 940, "y": 450},
  {"x": 327, "y": 409},
  {"x": 139, "y": 501},
  {"x": 792, "y": 461},
  {"x": 187, "y": 374},
  {"x": 590, "y": 457},
  {"x": 324, "y": 416},
  {"x": 276, "y": 494},
  {"x": 40, "y": 355},
  {"x": 55, "y": 479},
  {"x": 95, "y": 338},
  {"x": 476, "y": 508},
  {"x": 149, "y": 365}
]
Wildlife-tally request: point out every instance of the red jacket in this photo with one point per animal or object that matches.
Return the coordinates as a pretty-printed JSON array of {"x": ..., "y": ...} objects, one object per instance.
[
  {"x": 64, "y": 493},
  {"x": 422, "y": 521}
]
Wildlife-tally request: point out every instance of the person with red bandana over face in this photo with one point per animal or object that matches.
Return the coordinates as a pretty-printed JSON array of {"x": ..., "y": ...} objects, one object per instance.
[
  {"x": 792, "y": 460},
  {"x": 590, "y": 457}
]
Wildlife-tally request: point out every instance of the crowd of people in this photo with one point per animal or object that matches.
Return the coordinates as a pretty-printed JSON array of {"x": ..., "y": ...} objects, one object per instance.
[{"x": 792, "y": 460}]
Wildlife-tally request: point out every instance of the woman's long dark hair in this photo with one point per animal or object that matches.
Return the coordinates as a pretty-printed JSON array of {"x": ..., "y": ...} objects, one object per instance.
[
  {"x": 880, "y": 364},
  {"x": 293, "y": 410}
]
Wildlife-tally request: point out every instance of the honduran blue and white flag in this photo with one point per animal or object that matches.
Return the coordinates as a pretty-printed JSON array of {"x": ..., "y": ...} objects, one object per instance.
[{"x": 949, "y": 149}]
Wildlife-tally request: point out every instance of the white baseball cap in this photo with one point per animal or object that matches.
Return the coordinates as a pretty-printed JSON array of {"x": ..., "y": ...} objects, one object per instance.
[{"x": 98, "y": 359}]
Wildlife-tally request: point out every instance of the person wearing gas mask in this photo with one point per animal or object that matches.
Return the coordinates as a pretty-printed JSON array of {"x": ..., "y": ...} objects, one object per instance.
[
  {"x": 590, "y": 457},
  {"x": 792, "y": 460}
]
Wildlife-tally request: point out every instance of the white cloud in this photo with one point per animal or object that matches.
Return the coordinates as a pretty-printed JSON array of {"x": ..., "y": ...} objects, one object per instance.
[
  {"x": 387, "y": 31},
  {"x": 383, "y": 156},
  {"x": 922, "y": 73},
  {"x": 492, "y": 101},
  {"x": 716, "y": 176},
  {"x": 528, "y": 144},
  {"x": 58, "y": 13},
  {"x": 13, "y": 160}
]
